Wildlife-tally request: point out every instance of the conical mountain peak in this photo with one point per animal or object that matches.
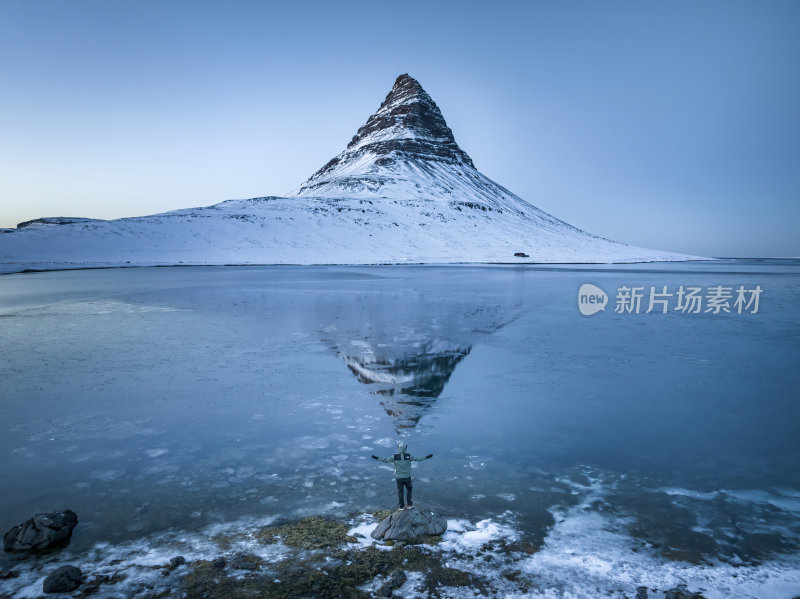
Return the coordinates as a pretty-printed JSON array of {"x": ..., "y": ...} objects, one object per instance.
[
  {"x": 407, "y": 128},
  {"x": 409, "y": 113}
]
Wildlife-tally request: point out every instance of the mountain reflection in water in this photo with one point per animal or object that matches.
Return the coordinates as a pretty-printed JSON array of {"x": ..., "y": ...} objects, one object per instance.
[
  {"x": 407, "y": 349},
  {"x": 410, "y": 384}
]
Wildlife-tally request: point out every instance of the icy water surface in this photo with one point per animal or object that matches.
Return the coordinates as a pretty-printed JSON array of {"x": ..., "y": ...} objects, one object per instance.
[{"x": 164, "y": 403}]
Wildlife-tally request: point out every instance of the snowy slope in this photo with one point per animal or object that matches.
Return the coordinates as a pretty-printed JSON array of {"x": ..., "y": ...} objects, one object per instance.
[{"x": 402, "y": 191}]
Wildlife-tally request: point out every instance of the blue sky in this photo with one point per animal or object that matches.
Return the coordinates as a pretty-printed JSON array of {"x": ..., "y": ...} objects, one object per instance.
[{"x": 672, "y": 125}]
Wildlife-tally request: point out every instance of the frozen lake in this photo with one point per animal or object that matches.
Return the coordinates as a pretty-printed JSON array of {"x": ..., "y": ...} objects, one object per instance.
[{"x": 623, "y": 445}]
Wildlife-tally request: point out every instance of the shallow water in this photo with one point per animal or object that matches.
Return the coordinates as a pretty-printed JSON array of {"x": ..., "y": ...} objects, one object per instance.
[{"x": 174, "y": 399}]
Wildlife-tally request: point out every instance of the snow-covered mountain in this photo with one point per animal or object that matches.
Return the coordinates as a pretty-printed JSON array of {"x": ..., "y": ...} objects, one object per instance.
[{"x": 402, "y": 191}]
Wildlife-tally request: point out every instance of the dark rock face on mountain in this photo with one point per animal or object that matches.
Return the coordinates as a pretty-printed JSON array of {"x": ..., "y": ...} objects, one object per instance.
[
  {"x": 408, "y": 525},
  {"x": 57, "y": 220},
  {"x": 408, "y": 127},
  {"x": 407, "y": 106},
  {"x": 41, "y": 531}
]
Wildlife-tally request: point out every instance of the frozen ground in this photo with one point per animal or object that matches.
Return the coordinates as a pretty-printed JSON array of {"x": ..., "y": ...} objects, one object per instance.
[
  {"x": 649, "y": 449},
  {"x": 314, "y": 230}
]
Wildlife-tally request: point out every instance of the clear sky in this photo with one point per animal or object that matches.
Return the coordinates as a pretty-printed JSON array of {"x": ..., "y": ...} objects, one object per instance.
[{"x": 672, "y": 125}]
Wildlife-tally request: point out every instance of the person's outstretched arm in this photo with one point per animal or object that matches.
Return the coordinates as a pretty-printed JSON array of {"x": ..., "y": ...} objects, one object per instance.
[
  {"x": 416, "y": 458},
  {"x": 385, "y": 460}
]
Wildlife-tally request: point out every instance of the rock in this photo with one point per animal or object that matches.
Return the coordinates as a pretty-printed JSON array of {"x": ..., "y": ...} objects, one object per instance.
[
  {"x": 6, "y": 574},
  {"x": 56, "y": 220},
  {"x": 396, "y": 580},
  {"x": 62, "y": 580},
  {"x": 681, "y": 592},
  {"x": 41, "y": 531},
  {"x": 246, "y": 562},
  {"x": 177, "y": 561},
  {"x": 521, "y": 255},
  {"x": 641, "y": 592},
  {"x": 219, "y": 563},
  {"x": 407, "y": 525},
  {"x": 407, "y": 106}
]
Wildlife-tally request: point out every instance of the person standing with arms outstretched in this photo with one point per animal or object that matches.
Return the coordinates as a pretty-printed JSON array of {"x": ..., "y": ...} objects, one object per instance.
[{"x": 402, "y": 472}]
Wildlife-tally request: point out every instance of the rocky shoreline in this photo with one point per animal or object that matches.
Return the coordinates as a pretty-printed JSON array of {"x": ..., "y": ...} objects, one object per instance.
[{"x": 312, "y": 557}]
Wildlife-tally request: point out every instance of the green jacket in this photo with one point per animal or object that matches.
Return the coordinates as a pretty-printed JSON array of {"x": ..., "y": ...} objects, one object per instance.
[{"x": 402, "y": 461}]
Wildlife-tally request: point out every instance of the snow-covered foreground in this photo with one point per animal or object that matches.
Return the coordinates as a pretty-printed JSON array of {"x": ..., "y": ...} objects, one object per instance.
[{"x": 585, "y": 554}]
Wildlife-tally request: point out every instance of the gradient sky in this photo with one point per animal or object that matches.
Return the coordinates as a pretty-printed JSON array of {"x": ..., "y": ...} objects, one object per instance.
[{"x": 671, "y": 125}]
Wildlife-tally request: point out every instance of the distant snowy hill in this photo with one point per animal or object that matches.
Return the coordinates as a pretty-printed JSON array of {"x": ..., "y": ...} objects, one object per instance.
[{"x": 401, "y": 192}]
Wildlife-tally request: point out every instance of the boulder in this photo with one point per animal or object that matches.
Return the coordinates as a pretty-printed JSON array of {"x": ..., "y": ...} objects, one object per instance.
[
  {"x": 41, "y": 531},
  {"x": 246, "y": 561},
  {"x": 407, "y": 525},
  {"x": 396, "y": 580},
  {"x": 681, "y": 592},
  {"x": 63, "y": 580}
]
